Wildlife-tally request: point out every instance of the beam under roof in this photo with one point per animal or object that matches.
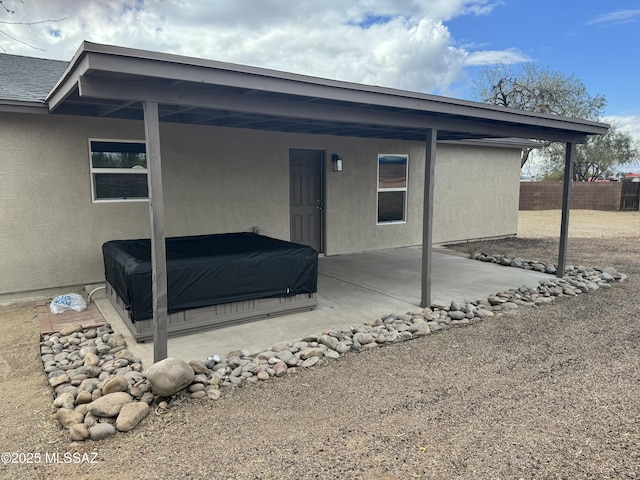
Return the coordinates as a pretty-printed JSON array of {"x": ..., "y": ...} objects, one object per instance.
[{"x": 188, "y": 95}]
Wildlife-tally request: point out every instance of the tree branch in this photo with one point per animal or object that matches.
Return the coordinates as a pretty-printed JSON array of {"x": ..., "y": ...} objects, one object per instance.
[
  {"x": 7, "y": 8},
  {"x": 19, "y": 41},
  {"x": 21, "y": 22}
]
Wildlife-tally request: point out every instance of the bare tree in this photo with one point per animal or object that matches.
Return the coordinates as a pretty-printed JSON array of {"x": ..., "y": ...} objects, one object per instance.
[
  {"x": 537, "y": 89},
  {"x": 8, "y": 10}
]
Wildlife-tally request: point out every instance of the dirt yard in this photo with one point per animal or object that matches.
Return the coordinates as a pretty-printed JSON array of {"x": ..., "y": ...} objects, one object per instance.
[
  {"x": 582, "y": 224},
  {"x": 551, "y": 392}
]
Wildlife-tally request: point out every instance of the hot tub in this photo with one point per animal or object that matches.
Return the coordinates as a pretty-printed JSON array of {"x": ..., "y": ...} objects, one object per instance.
[{"x": 212, "y": 280}]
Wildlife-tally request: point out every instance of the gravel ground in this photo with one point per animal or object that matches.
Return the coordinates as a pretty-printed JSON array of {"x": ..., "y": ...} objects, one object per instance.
[
  {"x": 582, "y": 223},
  {"x": 551, "y": 392}
]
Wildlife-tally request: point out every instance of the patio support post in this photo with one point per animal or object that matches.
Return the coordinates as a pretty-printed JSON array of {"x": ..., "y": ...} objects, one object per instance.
[
  {"x": 566, "y": 194},
  {"x": 156, "y": 214},
  {"x": 427, "y": 215}
]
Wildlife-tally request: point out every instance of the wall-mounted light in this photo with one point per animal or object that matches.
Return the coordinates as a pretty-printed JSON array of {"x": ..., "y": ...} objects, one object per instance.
[{"x": 336, "y": 161}]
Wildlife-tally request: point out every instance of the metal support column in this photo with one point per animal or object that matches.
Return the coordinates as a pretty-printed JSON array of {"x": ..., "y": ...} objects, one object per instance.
[
  {"x": 156, "y": 214},
  {"x": 427, "y": 215},
  {"x": 566, "y": 194}
]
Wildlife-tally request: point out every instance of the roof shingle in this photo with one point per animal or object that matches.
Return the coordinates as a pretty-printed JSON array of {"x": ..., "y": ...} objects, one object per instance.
[{"x": 28, "y": 79}]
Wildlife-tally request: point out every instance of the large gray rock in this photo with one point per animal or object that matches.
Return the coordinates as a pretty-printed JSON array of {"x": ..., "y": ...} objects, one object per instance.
[
  {"x": 363, "y": 338},
  {"x": 69, "y": 329},
  {"x": 68, "y": 417},
  {"x": 199, "y": 366},
  {"x": 116, "y": 384},
  {"x": 456, "y": 315},
  {"x": 311, "y": 352},
  {"x": 280, "y": 369},
  {"x": 91, "y": 359},
  {"x": 116, "y": 340},
  {"x": 109, "y": 405},
  {"x": 418, "y": 328},
  {"x": 328, "y": 341},
  {"x": 169, "y": 376},
  {"x": 59, "y": 380},
  {"x": 287, "y": 357},
  {"x": 483, "y": 313},
  {"x": 130, "y": 415},
  {"x": 78, "y": 432},
  {"x": 310, "y": 362},
  {"x": 83, "y": 397},
  {"x": 125, "y": 355},
  {"x": 517, "y": 262},
  {"x": 495, "y": 300},
  {"x": 63, "y": 399},
  {"x": 100, "y": 431}
]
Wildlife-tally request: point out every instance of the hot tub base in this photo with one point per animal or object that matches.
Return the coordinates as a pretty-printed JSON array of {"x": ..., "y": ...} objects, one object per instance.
[{"x": 215, "y": 316}]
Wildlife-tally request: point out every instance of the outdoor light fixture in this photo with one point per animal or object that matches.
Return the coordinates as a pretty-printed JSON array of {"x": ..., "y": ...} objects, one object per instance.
[{"x": 336, "y": 161}]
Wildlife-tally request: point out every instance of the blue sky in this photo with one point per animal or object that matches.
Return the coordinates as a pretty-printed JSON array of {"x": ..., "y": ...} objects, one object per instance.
[
  {"x": 597, "y": 41},
  {"x": 433, "y": 46}
]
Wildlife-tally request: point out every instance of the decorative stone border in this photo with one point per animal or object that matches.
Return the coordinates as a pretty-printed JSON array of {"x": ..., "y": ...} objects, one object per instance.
[{"x": 99, "y": 387}]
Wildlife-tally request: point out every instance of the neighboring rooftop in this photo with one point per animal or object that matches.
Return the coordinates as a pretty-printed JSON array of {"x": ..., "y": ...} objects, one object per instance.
[{"x": 28, "y": 79}]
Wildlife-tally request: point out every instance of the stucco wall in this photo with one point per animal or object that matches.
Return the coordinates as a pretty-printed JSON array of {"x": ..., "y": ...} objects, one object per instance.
[
  {"x": 351, "y": 198},
  {"x": 476, "y": 193},
  {"x": 221, "y": 180},
  {"x": 52, "y": 232},
  {"x": 475, "y": 196}
]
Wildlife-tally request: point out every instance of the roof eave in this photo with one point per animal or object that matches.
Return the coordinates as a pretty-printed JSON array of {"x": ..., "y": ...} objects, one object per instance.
[
  {"x": 69, "y": 76},
  {"x": 16, "y": 106}
]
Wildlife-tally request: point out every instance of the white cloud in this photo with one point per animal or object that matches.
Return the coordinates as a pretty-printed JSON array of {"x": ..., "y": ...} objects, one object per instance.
[
  {"x": 616, "y": 17},
  {"x": 398, "y": 43},
  {"x": 488, "y": 57},
  {"x": 625, "y": 123}
]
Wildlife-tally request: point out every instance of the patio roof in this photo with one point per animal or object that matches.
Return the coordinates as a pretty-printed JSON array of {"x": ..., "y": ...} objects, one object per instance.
[{"x": 109, "y": 81}]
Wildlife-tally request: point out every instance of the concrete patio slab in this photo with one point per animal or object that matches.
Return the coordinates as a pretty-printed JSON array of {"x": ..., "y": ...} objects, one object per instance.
[
  {"x": 396, "y": 273},
  {"x": 352, "y": 289}
]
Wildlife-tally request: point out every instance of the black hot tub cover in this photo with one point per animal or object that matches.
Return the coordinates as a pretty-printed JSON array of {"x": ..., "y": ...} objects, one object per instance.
[{"x": 210, "y": 270}]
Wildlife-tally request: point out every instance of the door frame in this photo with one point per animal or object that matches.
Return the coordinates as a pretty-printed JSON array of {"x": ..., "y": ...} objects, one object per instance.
[{"x": 322, "y": 168}]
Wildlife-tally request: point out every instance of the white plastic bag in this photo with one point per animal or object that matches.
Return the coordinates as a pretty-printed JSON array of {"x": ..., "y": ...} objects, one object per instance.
[{"x": 71, "y": 301}]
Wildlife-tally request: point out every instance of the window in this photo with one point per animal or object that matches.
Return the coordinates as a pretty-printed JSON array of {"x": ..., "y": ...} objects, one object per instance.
[
  {"x": 118, "y": 171},
  {"x": 392, "y": 188}
]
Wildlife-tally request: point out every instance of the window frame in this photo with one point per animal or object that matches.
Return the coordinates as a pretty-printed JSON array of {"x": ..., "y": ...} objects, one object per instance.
[
  {"x": 97, "y": 170},
  {"x": 404, "y": 189}
]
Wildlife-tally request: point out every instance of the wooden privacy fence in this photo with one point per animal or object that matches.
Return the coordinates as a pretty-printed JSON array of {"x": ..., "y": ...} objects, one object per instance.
[
  {"x": 584, "y": 196},
  {"x": 630, "y": 196}
]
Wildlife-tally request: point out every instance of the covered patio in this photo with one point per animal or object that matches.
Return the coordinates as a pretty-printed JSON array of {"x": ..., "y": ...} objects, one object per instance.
[{"x": 114, "y": 82}]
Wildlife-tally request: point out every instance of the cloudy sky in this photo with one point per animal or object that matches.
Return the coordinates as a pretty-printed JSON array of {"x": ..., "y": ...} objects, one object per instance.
[{"x": 434, "y": 46}]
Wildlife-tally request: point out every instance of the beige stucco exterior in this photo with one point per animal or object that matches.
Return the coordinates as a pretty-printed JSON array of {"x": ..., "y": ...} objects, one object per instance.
[{"x": 223, "y": 180}]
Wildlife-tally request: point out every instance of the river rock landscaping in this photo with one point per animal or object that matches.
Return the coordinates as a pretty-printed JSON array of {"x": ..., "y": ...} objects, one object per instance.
[{"x": 100, "y": 387}]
